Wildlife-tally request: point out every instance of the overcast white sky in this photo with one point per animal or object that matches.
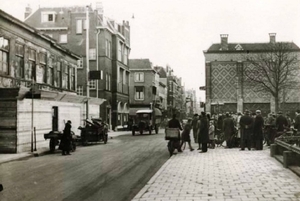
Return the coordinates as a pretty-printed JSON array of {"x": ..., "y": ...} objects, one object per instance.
[{"x": 176, "y": 32}]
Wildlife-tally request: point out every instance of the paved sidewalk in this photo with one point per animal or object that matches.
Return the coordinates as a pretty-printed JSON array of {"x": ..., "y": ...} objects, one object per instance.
[{"x": 222, "y": 174}]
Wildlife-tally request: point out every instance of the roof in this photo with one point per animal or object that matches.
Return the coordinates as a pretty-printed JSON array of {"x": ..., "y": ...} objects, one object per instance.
[
  {"x": 140, "y": 64},
  {"x": 161, "y": 71},
  {"x": 241, "y": 47}
]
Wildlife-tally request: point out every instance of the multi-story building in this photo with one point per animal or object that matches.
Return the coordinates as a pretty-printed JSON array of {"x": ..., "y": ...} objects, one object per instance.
[
  {"x": 226, "y": 89},
  {"x": 108, "y": 51},
  {"x": 191, "y": 100},
  {"x": 144, "y": 82},
  {"x": 37, "y": 87},
  {"x": 163, "y": 90}
]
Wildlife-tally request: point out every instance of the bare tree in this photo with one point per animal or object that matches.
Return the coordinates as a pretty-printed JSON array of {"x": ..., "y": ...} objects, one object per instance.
[{"x": 273, "y": 70}]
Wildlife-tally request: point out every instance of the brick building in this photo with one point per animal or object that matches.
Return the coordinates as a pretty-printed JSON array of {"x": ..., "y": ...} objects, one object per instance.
[
  {"x": 37, "y": 87},
  {"x": 144, "y": 82},
  {"x": 109, "y": 47},
  {"x": 226, "y": 89}
]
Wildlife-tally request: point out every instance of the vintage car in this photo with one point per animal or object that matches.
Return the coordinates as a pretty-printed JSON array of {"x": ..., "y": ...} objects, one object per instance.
[{"x": 147, "y": 120}]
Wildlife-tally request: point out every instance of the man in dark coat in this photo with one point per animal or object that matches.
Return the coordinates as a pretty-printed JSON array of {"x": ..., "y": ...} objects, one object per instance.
[
  {"x": 203, "y": 134},
  {"x": 246, "y": 123},
  {"x": 228, "y": 128},
  {"x": 194, "y": 125},
  {"x": 258, "y": 135},
  {"x": 281, "y": 122},
  {"x": 174, "y": 123},
  {"x": 270, "y": 126},
  {"x": 66, "y": 139}
]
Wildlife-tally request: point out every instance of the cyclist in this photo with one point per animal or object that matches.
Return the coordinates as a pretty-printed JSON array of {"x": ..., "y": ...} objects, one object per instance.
[{"x": 174, "y": 123}]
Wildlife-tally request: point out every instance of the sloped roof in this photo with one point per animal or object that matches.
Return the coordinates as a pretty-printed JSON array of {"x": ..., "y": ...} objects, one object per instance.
[
  {"x": 140, "y": 64},
  {"x": 247, "y": 47},
  {"x": 161, "y": 71}
]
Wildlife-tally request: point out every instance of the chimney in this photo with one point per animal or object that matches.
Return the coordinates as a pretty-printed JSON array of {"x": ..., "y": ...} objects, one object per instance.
[
  {"x": 28, "y": 11},
  {"x": 272, "y": 37},
  {"x": 224, "y": 41}
]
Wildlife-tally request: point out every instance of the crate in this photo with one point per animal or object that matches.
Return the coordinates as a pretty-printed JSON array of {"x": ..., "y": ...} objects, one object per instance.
[{"x": 172, "y": 134}]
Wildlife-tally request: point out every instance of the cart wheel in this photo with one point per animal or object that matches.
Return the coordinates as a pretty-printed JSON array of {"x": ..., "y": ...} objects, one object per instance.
[
  {"x": 52, "y": 145},
  {"x": 105, "y": 137},
  {"x": 171, "y": 147},
  {"x": 133, "y": 131}
]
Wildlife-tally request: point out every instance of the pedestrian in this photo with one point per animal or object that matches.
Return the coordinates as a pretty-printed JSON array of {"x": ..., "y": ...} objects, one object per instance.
[
  {"x": 174, "y": 123},
  {"x": 281, "y": 124},
  {"x": 228, "y": 128},
  {"x": 211, "y": 132},
  {"x": 238, "y": 118},
  {"x": 186, "y": 134},
  {"x": 246, "y": 123},
  {"x": 297, "y": 121},
  {"x": 195, "y": 128},
  {"x": 203, "y": 136},
  {"x": 271, "y": 131},
  {"x": 289, "y": 120},
  {"x": 258, "y": 131},
  {"x": 66, "y": 139}
]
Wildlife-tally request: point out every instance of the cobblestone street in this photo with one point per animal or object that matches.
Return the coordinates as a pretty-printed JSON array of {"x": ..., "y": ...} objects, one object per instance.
[{"x": 222, "y": 174}]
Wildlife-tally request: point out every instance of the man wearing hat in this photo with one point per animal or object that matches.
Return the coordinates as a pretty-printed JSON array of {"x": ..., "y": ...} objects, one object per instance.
[
  {"x": 66, "y": 139},
  {"x": 258, "y": 131},
  {"x": 228, "y": 128},
  {"x": 281, "y": 122},
  {"x": 195, "y": 127},
  {"x": 246, "y": 123}
]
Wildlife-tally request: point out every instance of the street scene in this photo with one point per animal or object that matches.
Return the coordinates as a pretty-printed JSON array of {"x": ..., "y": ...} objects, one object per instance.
[{"x": 138, "y": 100}]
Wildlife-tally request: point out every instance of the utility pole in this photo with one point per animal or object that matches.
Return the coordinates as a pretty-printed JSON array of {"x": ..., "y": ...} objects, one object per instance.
[{"x": 87, "y": 61}]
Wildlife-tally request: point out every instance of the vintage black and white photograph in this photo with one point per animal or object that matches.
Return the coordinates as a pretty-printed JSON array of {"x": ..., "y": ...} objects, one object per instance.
[{"x": 149, "y": 100}]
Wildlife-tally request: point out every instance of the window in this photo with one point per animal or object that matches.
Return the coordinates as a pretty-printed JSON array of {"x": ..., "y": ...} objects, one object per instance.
[
  {"x": 92, "y": 84},
  {"x": 58, "y": 75},
  {"x": 80, "y": 63},
  {"x": 106, "y": 81},
  {"x": 63, "y": 38},
  {"x": 30, "y": 70},
  {"x": 48, "y": 16},
  {"x": 41, "y": 71},
  {"x": 20, "y": 60},
  {"x": 108, "y": 48},
  {"x": 92, "y": 54},
  {"x": 50, "y": 71},
  {"x": 109, "y": 83},
  {"x": 139, "y": 77},
  {"x": 67, "y": 76},
  {"x": 101, "y": 74},
  {"x": 80, "y": 90},
  {"x": 72, "y": 78},
  {"x": 139, "y": 93},
  {"x": 125, "y": 60},
  {"x": 4, "y": 49},
  {"x": 78, "y": 26},
  {"x": 120, "y": 51}
]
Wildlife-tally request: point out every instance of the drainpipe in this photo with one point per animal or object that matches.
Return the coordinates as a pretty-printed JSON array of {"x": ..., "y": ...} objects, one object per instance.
[{"x": 97, "y": 61}]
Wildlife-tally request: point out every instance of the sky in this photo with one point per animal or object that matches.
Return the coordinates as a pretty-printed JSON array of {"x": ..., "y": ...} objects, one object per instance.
[{"x": 176, "y": 32}]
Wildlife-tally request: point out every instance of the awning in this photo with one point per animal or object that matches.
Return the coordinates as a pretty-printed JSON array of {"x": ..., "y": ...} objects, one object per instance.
[{"x": 132, "y": 111}]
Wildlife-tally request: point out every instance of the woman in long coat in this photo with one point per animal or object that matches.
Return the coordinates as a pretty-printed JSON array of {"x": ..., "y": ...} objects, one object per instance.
[
  {"x": 228, "y": 128},
  {"x": 203, "y": 135}
]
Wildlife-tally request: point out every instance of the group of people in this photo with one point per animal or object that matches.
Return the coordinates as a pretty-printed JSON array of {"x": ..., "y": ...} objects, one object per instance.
[{"x": 251, "y": 129}]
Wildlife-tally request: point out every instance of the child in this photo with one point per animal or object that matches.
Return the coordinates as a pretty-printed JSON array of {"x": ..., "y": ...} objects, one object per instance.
[
  {"x": 211, "y": 132},
  {"x": 186, "y": 134}
]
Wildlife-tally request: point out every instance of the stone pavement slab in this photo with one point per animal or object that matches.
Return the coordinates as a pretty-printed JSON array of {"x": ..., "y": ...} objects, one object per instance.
[{"x": 222, "y": 174}]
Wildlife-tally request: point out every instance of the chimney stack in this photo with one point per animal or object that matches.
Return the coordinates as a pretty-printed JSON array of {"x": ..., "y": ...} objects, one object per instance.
[
  {"x": 272, "y": 37},
  {"x": 224, "y": 41},
  {"x": 28, "y": 11}
]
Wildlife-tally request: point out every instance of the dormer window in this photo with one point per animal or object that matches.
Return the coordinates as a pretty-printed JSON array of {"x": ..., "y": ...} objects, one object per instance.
[
  {"x": 238, "y": 47},
  {"x": 48, "y": 16}
]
